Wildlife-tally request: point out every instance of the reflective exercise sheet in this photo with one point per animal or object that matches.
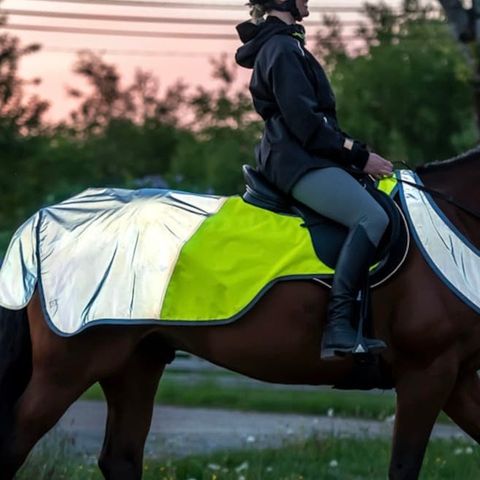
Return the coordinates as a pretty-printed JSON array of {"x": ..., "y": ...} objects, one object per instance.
[
  {"x": 450, "y": 254},
  {"x": 117, "y": 256}
]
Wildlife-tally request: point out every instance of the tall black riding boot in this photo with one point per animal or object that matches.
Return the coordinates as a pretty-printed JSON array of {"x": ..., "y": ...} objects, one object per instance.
[{"x": 339, "y": 337}]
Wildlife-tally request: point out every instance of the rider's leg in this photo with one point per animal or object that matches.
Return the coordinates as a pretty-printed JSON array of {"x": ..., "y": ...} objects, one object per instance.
[{"x": 334, "y": 193}]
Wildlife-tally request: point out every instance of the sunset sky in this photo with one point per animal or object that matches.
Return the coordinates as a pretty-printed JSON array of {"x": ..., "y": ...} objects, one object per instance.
[{"x": 168, "y": 58}]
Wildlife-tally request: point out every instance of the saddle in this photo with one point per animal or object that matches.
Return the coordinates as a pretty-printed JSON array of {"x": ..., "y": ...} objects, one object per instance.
[
  {"x": 328, "y": 236},
  {"x": 368, "y": 371}
]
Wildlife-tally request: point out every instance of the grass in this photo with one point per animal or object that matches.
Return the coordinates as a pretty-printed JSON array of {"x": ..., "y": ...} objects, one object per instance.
[
  {"x": 208, "y": 393},
  {"x": 314, "y": 459}
]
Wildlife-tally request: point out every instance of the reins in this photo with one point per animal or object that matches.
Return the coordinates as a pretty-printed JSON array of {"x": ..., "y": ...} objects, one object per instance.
[
  {"x": 431, "y": 191},
  {"x": 439, "y": 194}
]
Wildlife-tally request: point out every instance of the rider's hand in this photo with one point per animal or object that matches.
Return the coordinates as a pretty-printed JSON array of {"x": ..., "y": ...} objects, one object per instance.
[{"x": 378, "y": 166}]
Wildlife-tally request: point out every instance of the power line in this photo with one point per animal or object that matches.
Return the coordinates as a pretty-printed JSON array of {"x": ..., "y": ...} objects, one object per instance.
[
  {"x": 121, "y": 33},
  {"x": 138, "y": 19},
  {"x": 193, "y": 5},
  {"x": 180, "y": 35},
  {"x": 135, "y": 53},
  {"x": 133, "y": 33}
]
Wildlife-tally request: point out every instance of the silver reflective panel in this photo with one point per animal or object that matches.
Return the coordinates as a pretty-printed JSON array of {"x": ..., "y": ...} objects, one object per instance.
[
  {"x": 103, "y": 254},
  {"x": 455, "y": 260},
  {"x": 18, "y": 274}
]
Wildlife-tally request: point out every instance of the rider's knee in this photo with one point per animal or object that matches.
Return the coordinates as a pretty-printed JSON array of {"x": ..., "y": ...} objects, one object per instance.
[{"x": 375, "y": 224}]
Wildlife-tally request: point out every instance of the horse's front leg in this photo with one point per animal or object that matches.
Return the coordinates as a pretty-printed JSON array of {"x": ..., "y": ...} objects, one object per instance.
[
  {"x": 463, "y": 405},
  {"x": 421, "y": 394}
]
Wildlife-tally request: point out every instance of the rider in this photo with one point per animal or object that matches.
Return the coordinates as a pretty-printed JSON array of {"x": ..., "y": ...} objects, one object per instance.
[{"x": 303, "y": 150}]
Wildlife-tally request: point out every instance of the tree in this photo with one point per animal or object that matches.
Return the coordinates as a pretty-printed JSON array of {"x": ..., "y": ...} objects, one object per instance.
[
  {"x": 225, "y": 130},
  {"x": 19, "y": 113},
  {"x": 408, "y": 94},
  {"x": 107, "y": 100},
  {"x": 225, "y": 106},
  {"x": 21, "y": 129}
]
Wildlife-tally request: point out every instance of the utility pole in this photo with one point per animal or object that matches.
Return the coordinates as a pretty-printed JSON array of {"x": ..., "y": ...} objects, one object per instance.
[{"x": 465, "y": 24}]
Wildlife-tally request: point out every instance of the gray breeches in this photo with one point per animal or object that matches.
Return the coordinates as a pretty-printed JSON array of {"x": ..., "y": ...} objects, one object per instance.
[{"x": 334, "y": 193}]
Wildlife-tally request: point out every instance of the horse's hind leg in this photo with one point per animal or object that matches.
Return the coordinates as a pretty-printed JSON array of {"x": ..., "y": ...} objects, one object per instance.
[
  {"x": 463, "y": 405},
  {"x": 130, "y": 397},
  {"x": 38, "y": 409}
]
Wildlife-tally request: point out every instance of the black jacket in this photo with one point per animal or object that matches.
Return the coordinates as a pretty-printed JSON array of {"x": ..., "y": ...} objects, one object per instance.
[{"x": 292, "y": 94}]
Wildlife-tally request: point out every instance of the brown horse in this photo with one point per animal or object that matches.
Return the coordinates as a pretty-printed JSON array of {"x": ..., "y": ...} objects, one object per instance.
[{"x": 434, "y": 354}]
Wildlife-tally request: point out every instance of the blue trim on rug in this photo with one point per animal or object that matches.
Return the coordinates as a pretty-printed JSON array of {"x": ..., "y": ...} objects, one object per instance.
[
  {"x": 172, "y": 323},
  {"x": 427, "y": 257}
]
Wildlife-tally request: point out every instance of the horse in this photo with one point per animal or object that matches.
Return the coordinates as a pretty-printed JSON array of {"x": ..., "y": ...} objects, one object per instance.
[{"x": 433, "y": 354}]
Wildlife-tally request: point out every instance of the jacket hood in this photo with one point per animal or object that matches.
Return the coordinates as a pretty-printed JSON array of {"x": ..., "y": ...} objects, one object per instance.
[{"x": 255, "y": 36}]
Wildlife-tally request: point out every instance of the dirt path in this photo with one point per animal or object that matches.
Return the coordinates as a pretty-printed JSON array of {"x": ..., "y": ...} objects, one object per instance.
[{"x": 180, "y": 431}]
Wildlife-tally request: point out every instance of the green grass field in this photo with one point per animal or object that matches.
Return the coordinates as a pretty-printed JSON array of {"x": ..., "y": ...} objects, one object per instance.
[
  {"x": 329, "y": 459},
  {"x": 209, "y": 393}
]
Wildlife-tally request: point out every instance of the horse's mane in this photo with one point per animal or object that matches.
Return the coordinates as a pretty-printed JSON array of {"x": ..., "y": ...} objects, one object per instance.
[{"x": 467, "y": 157}]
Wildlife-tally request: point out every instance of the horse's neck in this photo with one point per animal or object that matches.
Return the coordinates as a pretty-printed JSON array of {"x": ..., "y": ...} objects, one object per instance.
[{"x": 462, "y": 183}]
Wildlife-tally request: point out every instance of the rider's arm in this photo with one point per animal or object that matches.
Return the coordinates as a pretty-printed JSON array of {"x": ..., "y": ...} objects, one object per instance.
[{"x": 299, "y": 107}]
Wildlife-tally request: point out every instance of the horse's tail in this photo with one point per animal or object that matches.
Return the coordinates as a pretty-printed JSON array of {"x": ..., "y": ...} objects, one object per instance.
[{"x": 15, "y": 362}]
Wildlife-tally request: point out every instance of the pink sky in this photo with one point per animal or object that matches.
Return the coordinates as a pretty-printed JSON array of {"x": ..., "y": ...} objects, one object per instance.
[{"x": 180, "y": 58}]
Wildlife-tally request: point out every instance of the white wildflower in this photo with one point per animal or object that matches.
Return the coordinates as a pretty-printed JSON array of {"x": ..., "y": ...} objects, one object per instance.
[
  {"x": 213, "y": 466},
  {"x": 243, "y": 466},
  {"x": 333, "y": 464},
  {"x": 390, "y": 419},
  {"x": 330, "y": 412},
  {"x": 251, "y": 439},
  {"x": 458, "y": 451},
  {"x": 468, "y": 450}
]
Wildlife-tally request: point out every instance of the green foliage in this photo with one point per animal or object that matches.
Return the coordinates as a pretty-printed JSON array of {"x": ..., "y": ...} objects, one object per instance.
[
  {"x": 328, "y": 458},
  {"x": 22, "y": 132},
  {"x": 321, "y": 401},
  {"x": 409, "y": 94},
  {"x": 108, "y": 101},
  {"x": 319, "y": 458},
  {"x": 211, "y": 161}
]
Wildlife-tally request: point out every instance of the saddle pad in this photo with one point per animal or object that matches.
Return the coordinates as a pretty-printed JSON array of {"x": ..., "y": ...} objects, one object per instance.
[
  {"x": 148, "y": 256},
  {"x": 449, "y": 253}
]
